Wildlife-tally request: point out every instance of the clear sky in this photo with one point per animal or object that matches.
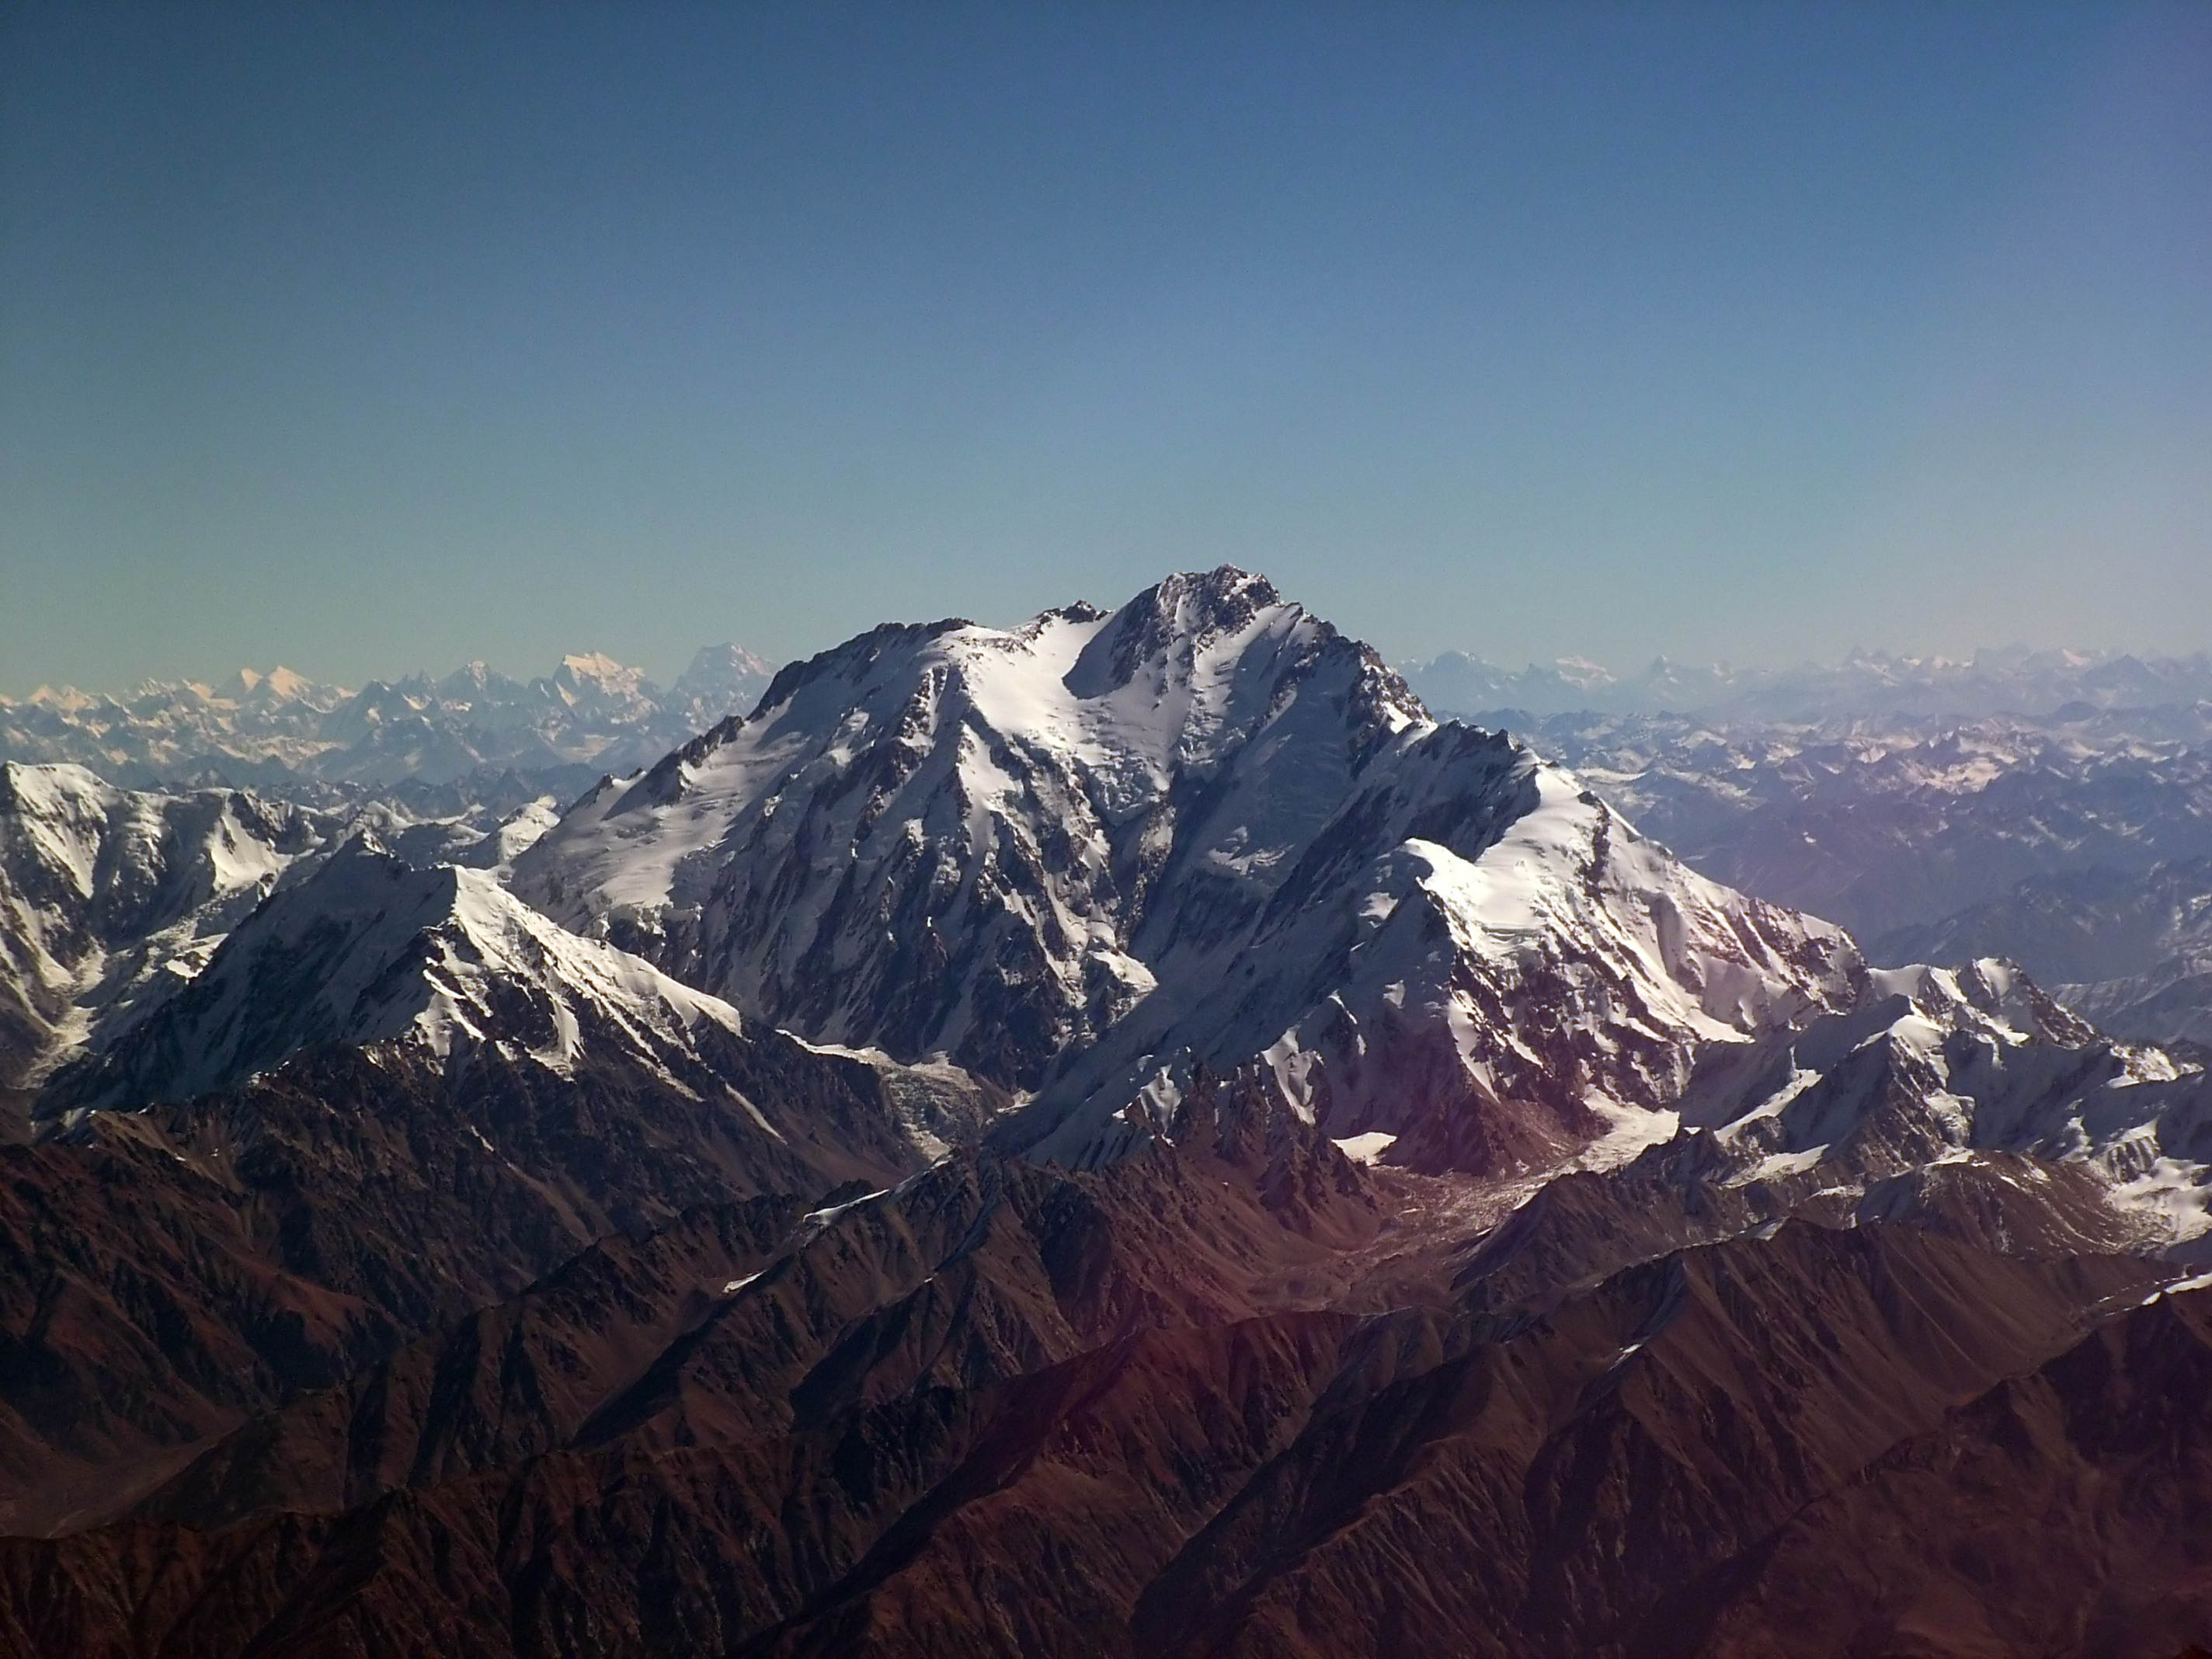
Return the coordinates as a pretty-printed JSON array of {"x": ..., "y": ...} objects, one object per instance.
[{"x": 371, "y": 337}]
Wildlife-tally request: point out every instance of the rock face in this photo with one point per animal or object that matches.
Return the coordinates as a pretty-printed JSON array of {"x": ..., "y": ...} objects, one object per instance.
[
  {"x": 1091, "y": 856},
  {"x": 2108, "y": 1444}
]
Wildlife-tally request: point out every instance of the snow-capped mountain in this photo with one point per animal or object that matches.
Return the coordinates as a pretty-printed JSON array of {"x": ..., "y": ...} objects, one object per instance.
[
  {"x": 158, "y": 728},
  {"x": 1960, "y": 1101},
  {"x": 590, "y": 710},
  {"x": 371, "y": 949},
  {"x": 722, "y": 680},
  {"x": 1438, "y": 1209},
  {"x": 271, "y": 727},
  {"x": 1940, "y": 1065},
  {"x": 1090, "y": 854}
]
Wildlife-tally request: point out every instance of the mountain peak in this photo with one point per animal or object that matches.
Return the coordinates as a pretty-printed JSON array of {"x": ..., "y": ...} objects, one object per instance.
[
  {"x": 598, "y": 666},
  {"x": 1185, "y": 613},
  {"x": 1093, "y": 854},
  {"x": 1221, "y": 599}
]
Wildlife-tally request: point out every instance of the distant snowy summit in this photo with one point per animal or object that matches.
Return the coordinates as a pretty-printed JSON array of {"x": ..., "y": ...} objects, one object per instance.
[
  {"x": 265, "y": 728},
  {"x": 2018, "y": 680}
]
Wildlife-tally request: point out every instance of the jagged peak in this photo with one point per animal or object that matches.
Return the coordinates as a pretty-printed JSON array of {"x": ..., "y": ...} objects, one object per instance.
[
  {"x": 1224, "y": 598},
  {"x": 1189, "y": 608}
]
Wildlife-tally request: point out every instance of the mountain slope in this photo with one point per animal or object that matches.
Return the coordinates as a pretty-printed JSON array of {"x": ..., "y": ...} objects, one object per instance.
[
  {"x": 1090, "y": 854},
  {"x": 442, "y": 970},
  {"x": 371, "y": 949},
  {"x": 1019, "y": 1480}
]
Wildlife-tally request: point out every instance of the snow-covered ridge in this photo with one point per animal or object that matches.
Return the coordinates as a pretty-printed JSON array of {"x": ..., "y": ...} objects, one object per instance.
[
  {"x": 370, "y": 950},
  {"x": 1937, "y": 1067},
  {"x": 1090, "y": 854},
  {"x": 112, "y": 900},
  {"x": 367, "y": 974}
]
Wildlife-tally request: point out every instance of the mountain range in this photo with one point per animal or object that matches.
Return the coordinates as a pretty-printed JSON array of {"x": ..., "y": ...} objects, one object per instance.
[
  {"x": 1123, "y": 1132},
  {"x": 278, "y": 730},
  {"x": 2018, "y": 680}
]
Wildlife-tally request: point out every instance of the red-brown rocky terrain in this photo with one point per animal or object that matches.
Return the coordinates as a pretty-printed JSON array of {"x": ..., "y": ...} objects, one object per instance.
[{"x": 1002, "y": 1410}]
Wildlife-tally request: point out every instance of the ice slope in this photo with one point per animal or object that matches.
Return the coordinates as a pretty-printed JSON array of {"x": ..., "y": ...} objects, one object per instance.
[{"x": 1083, "y": 855}]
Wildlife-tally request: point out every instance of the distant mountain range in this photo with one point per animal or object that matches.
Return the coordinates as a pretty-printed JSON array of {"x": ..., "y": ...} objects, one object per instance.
[
  {"x": 267, "y": 729},
  {"x": 2131, "y": 949},
  {"x": 2019, "y": 680}
]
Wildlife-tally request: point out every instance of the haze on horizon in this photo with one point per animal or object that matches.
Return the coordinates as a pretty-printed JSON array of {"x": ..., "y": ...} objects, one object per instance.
[{"x": 372, "y": 340}]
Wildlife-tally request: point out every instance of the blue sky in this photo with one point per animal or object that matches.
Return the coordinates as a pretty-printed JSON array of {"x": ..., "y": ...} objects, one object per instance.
[{"x": 366, "y": 338}]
